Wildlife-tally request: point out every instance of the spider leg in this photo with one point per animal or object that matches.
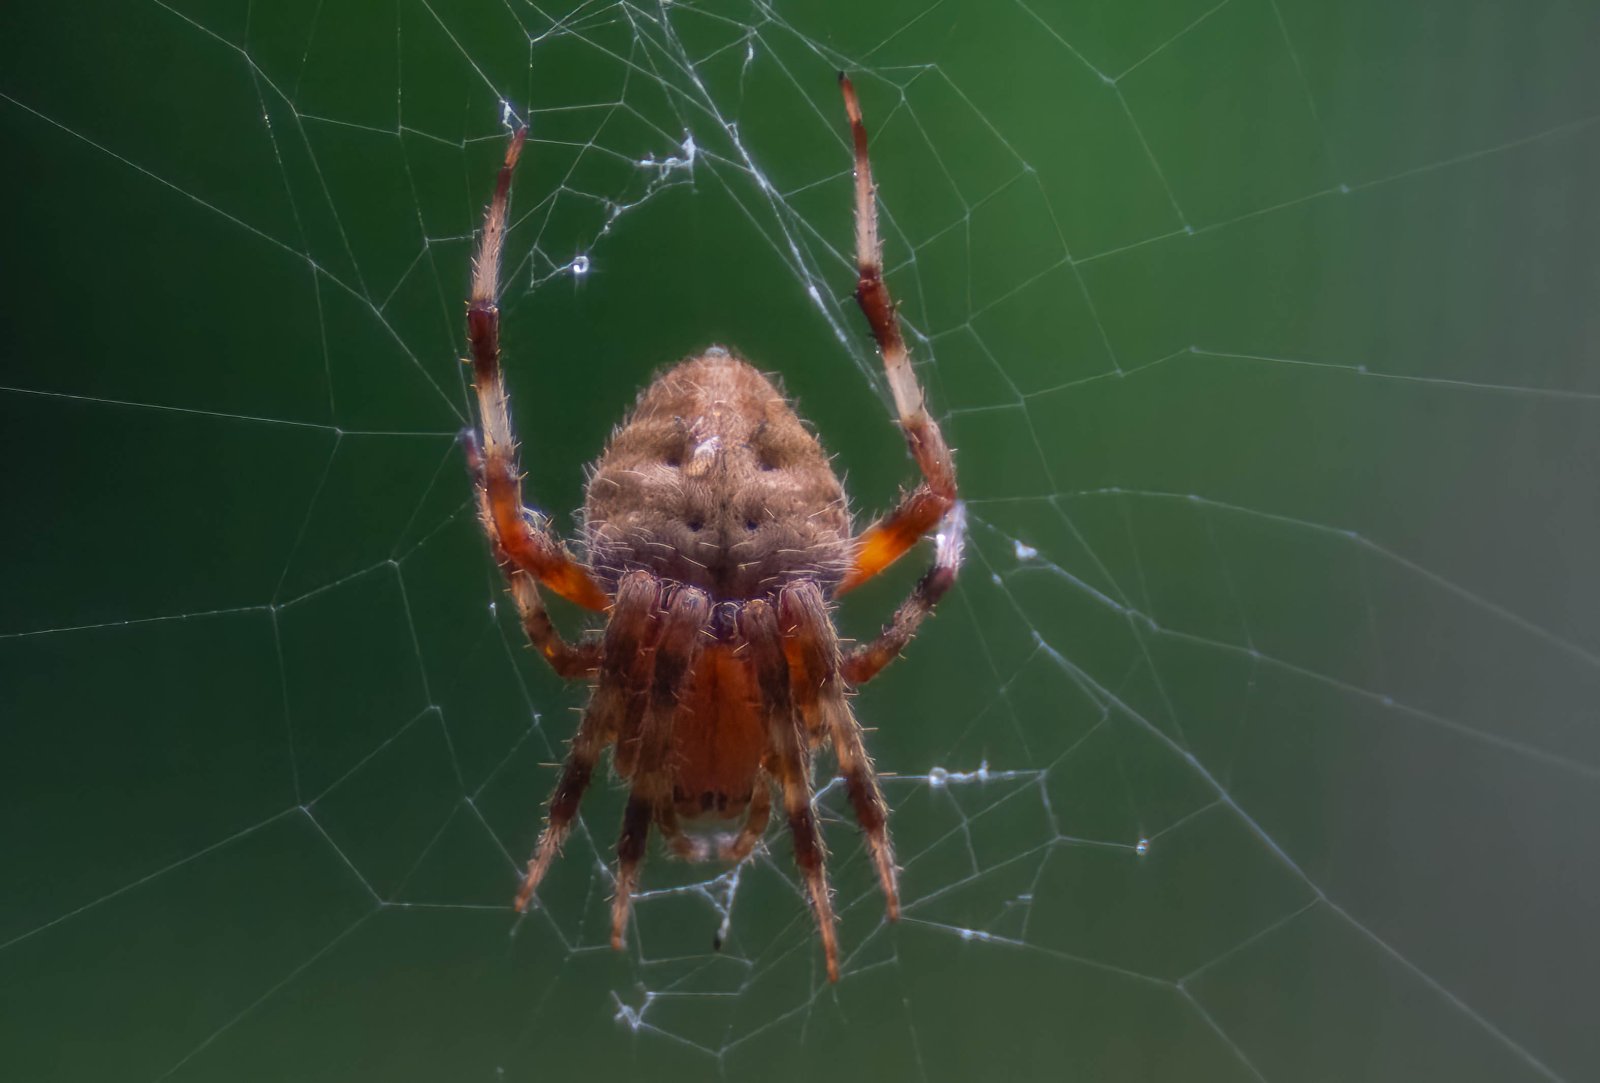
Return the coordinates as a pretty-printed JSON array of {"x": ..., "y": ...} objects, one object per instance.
[
  {"x": 568, "y": 660},
  {"x": 740, "y": 846},
  {"x": 613, "y": 709},
  {"x": 813, "y": 652},
  {"x": 862, "y": 662},
  {"x": 885, "y": 541},
  {"x": 630, "y": 852},
  {"x": 792, "y": 765},
  {"x": 682, "y": 633},
  {"x": 526, "y": 541}
]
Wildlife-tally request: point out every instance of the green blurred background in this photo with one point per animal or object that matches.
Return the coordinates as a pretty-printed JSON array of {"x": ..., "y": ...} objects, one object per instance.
[{"x": 1259, "y": 740}]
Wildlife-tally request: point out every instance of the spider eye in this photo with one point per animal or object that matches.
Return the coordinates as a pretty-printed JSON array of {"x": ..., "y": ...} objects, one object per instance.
[
  {"x": 673, "y": 461},
  {"x": 750, "y": 524},
  {"x": 696, "y": 525}
]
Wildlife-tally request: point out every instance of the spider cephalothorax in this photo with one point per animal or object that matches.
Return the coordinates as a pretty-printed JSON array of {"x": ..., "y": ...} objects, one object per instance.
[{"x": 717, "y": 536}]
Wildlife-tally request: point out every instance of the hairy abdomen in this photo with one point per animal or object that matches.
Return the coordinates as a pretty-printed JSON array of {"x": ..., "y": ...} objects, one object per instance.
[{"x": 715, "y": 481}]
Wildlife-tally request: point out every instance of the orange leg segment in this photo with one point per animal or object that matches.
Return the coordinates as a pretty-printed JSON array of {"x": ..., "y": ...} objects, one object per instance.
[
  {"x": 888, "y": 539},
  {"x": 526, "y": 542}
]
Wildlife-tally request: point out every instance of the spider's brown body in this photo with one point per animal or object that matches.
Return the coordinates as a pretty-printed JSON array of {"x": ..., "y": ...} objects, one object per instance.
[
  {"x": 717, "y": 537},
  {"x": 715, "y": 483}
]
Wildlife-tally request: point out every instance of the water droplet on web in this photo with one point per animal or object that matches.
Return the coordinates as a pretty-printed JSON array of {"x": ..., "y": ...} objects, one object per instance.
[
  {"x": 938, "y": 776},
  {"x": 1024, "y": 550},
  {"x": 1142, "y": 847},
  {"x": 580, "y": 266}
]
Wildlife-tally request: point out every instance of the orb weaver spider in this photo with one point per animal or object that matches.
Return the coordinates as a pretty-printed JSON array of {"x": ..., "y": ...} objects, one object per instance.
[{"x": 717, "y": 536}]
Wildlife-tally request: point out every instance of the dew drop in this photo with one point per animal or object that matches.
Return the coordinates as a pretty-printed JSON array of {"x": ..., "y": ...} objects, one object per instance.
[
  {"x": 580, "y": 266},
  {"x": 938, "y": 776},
  {"x": 1142, "y": 847}
]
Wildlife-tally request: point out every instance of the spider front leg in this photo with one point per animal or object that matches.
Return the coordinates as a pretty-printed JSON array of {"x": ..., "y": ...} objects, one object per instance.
[
  {"x": 527, "y": 543},
  {"x": 889, "y": 538},
  {"x": 935, "y": 500}
]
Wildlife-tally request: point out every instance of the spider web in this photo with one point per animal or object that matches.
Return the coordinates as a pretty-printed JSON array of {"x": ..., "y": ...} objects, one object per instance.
[{"x": 1257, "y": 742}]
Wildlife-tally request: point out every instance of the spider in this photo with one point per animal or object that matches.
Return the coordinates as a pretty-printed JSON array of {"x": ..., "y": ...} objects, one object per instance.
[{"x": 717, "y": 537}]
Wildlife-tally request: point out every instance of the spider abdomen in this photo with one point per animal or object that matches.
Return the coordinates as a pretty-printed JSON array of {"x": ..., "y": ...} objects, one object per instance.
[{"x": 715, "y": 481}]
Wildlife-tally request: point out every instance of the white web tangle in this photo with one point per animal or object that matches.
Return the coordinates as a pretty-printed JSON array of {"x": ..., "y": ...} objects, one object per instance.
[{"x": 1087, "y": 654}]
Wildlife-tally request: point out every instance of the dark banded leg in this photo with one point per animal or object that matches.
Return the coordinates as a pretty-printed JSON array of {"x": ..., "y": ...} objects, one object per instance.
[
  {"x": 792, "y": 764},
  {"x": 884, "y": 542},
  {"x": 569, "y": 660},
  {"x": 526, "y": 541},
  {"x": 612, "y": 710},
  {"x": 862, "y": 663},
  {"x": 630, "y": 852},
  {"x": 812, "y": 646},
  {"x": 688, "y": 611}
]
